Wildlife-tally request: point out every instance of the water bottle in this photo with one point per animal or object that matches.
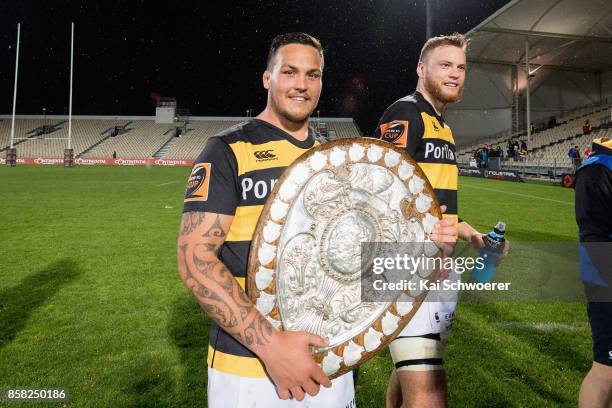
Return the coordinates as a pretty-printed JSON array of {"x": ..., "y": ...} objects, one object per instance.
[{"x": 494, "y": 246}]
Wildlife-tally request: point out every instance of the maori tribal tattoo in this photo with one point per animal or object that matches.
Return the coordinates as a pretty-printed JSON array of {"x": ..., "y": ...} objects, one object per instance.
[
  {"x": 213, "y": 285},
  {"x": 190, "y": 221}
]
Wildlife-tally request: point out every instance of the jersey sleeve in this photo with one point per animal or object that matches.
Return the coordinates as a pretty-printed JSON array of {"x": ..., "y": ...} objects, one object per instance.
[
  {"x": 213, "y": 183},
  {"x": 402, "y": 125}
]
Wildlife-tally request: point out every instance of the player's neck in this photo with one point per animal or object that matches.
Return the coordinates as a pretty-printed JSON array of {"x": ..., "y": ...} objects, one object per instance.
[
  {"x": 438, "y": 106},
  {"x": 297, "y": 130}
]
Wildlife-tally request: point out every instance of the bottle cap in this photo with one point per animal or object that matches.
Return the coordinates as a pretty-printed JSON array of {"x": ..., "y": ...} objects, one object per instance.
[{"x": 500, "y": 227}]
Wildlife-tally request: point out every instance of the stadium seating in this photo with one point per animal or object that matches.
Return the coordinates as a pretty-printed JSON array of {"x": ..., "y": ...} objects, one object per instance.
[
  {"x": 548, "y": 148},
  {"x": 189, "y": 145},
  {"x": 142, "y": 138},
  {"x": 342, "y": 129},
  {"x": 557, "y": 153},
  {"x": 85, "y": 133}
]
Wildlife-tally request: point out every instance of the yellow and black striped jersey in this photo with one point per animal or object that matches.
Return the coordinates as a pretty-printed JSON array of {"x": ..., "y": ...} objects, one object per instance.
[
  {"x": 234, "y": 175},
  {"x": 412, "y": 123}
]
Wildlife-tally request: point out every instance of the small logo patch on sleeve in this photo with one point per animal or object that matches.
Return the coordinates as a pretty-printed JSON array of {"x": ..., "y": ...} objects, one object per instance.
[
  {"x": 197, "y": 185},
  {"x": 395, "y": 132}
]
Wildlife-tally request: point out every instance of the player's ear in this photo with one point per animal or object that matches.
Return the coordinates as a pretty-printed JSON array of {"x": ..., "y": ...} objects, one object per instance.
[
  {"x": 266, "y": 79},
  {"x": 420, "y": 69}
]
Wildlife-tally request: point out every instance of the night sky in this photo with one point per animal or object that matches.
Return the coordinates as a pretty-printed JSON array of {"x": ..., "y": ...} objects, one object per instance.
[{"x": 211, "y": 57}]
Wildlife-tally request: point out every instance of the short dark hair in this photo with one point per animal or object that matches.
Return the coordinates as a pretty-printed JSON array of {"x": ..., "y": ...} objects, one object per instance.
[
  {"x": 293, "y": 38},
  {"x": 455, "y": 39}
]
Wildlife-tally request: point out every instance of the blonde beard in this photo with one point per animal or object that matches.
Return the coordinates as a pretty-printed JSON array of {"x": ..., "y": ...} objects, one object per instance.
[{"x": 436, "y": 91}]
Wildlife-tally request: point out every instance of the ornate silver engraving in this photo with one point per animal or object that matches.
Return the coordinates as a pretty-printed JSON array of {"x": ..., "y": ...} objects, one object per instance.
[
  {"x": 306, "y": 260},
  {"x": 319, "y": 267}
]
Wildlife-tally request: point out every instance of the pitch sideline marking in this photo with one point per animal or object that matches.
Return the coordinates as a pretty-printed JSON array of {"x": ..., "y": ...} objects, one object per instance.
[
  {"x": 517, "y": 194},
  {"x": 165, "y": 184}
]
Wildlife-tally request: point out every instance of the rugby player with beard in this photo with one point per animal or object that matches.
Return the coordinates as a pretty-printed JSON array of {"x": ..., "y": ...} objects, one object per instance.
[{"x": 416, "y": 124}]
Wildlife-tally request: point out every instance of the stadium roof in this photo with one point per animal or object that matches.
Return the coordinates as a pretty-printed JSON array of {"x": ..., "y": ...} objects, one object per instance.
[
  {"x": 569, "y": 35},
  {"x": 568, "y": 47}
]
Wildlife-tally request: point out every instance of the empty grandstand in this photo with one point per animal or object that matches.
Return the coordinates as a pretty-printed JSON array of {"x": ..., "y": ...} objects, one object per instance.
[
  {"x": 128, "y": 137},
  {"x": 29, "y": 143}
]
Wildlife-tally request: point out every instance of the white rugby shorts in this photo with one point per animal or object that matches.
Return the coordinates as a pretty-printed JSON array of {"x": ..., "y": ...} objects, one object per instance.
[{"x": 227, "y": 390}]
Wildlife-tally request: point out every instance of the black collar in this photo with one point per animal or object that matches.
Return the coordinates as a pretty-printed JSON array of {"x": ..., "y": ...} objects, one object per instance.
[
  {"x": 303, "y": 144},
  {"x": 428, "y": 107}
]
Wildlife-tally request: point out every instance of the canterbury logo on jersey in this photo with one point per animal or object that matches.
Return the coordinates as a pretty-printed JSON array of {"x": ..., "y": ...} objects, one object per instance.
[
  {"x": 263, "y": 155},
  {"x": 256, "y": 189}
]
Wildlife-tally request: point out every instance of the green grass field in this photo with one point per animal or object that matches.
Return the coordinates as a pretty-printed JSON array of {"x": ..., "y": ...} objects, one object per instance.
[{"x": 90, "y": 298}]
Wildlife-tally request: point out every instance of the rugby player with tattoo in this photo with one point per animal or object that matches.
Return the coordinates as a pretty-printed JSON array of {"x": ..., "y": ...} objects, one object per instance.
[{"x": 250, "y": 362}]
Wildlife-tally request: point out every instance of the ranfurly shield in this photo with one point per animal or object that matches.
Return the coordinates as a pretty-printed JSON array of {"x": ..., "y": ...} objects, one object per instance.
[{"x": 304, "y": 269}]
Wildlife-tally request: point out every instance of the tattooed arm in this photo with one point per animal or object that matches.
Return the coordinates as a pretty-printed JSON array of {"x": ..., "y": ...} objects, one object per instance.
[
  {"x": 212, "y": 284},
  {"x": 285, "y": 355}
]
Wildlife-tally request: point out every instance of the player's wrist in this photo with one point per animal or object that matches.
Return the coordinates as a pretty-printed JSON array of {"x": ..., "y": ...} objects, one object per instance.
[{"x": 264, "y": 350}]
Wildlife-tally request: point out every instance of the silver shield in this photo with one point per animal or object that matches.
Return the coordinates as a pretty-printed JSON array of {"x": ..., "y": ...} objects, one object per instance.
[{"x": 305, "y": 263}]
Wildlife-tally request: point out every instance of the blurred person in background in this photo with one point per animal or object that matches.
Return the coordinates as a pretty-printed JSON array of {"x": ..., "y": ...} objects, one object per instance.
[{"x": 593, "y": 204}]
